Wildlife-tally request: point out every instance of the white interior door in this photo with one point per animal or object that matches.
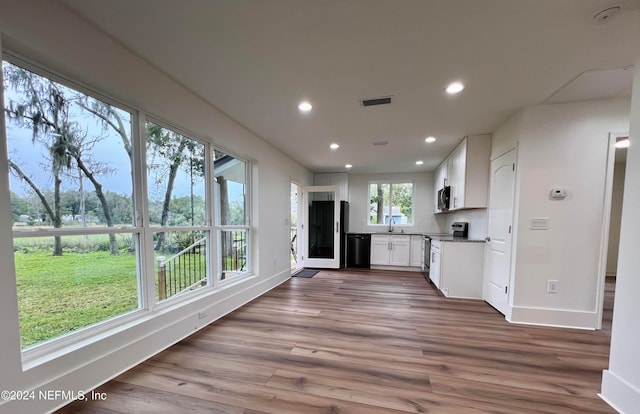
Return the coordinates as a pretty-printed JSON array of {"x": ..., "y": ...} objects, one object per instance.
[
  {"x": 498, "y": 250},
  {"x": 321, "y": 205}
]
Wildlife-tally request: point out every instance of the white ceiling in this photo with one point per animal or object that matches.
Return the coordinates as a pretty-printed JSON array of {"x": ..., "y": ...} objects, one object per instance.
[{"x": 255, "y": 60}]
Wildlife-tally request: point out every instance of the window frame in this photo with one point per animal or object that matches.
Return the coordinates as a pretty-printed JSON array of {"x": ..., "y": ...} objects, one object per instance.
[
  {"x": 219, "y": 228},
  {"x": 391, "y": 184},
  {"x": 33, "y": 354},
  {"x": 151, "y": 229},
  {"x": 141, "y": 229}
]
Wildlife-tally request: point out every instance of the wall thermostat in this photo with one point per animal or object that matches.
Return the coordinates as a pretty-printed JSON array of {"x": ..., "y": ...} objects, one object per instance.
[{"x": 558, "y": 193}]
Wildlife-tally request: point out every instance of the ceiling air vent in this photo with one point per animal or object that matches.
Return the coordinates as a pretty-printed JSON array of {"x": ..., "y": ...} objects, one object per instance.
[{"x": 383, "y": 100}]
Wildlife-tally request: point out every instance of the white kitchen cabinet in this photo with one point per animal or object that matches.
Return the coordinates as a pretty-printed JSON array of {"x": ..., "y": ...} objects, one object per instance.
[
  {"x": 417, "y": 255},
  {"x": 339, "y": 179},
  {"x": 466, "y": 171},
  {"x": 400, "y": 252},
  {"x": 390, "y": 250},
  {"x": 434, "y": 265},
  {"x": 456, "y": 268},
  {"x": 379, "y": 249},
  {"x": 457, "y": 177}
]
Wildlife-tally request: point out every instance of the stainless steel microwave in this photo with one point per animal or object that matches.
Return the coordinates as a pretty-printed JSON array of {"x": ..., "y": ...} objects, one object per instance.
[{"x": 443, "y": 198}]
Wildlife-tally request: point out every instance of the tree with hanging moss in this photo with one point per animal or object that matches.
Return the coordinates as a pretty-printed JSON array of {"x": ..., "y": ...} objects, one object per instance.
[{"x": 44, "y": 106}]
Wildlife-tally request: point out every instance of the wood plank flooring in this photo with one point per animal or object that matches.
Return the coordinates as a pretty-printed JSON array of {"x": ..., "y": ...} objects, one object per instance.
[{"x": 355, "y": 341}]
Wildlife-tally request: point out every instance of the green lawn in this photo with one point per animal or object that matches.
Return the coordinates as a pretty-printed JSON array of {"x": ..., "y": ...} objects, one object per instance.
[
  {"x": 57, "y": 295},
  {"x": 84, "y": 286}
]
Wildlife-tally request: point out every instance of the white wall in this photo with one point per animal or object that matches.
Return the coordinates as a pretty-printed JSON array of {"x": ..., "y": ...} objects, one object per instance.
[
  {"x": 507, "y": 135},
  {"x": 561, "y": 145},
  {"x": 47, "y": 32},
  {"x": 621, "y": 382},
  {"x": 424, "y": 220}
]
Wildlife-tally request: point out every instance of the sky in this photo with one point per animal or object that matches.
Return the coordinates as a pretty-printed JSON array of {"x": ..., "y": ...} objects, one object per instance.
[
  {"x": 33, "y": 159},
  {"x": 108, "y": 150}
]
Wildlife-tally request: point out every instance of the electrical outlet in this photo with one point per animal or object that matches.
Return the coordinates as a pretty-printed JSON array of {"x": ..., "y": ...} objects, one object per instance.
[
  {"x": 202, "y": 315},
  {"x": 552, "y": 286},
  {"x": 275, "y": 261}
]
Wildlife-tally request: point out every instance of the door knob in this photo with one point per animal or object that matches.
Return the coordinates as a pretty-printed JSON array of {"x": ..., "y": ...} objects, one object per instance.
[{"x": 487, "y": 239}]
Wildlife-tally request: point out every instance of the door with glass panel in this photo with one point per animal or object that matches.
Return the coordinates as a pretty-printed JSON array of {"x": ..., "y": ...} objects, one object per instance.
[
  {"x": 321, "y": 208},
  {"x": 295, "y": 231}
]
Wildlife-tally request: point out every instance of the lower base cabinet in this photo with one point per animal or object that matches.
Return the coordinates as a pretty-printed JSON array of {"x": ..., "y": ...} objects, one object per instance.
[
  {"x": 390, "y": 250},
  {"x": 456, "y": 268}
]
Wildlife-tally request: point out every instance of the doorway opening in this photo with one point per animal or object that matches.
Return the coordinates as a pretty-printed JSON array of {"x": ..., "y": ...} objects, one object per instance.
[
  {"x": 615, "y": 215},
  {"x": 616, "y": 196},
  {"x": 295, "y": 235}
]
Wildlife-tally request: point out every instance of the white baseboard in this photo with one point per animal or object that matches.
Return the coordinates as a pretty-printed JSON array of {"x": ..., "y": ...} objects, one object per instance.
[
  {"x": 554, "y": 317},
  {"x": 619, "y": 394}
]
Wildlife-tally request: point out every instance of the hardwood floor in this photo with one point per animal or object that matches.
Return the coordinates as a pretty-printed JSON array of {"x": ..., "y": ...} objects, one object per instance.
[{"x": 355, "y": 341}]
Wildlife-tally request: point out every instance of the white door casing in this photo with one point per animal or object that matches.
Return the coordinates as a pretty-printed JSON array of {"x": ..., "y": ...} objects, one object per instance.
[
  {"x": 497, "y": 267},
  {"x": 331, "y": 192}
]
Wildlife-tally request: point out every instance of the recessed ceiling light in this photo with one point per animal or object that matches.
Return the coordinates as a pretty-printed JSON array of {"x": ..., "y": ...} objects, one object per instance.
[
  {"x": 305, "y": 106},
  {"x": 622, "y": 143},
  {"x": 419, "y": 162},
  {"x": 334, "y": 146},
  {"x": 348, "y": 166},
  {"x": 454, "y": 87},
  {"x": 430, "y": 140}
]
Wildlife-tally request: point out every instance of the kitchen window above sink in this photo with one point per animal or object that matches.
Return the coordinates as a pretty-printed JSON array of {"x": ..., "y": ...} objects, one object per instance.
[{"x": 390, "y": 204}]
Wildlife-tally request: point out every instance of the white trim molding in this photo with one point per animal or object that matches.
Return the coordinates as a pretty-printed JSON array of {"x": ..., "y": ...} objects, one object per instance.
[
  {"x": 561, "y": 318},
  {"x": 619, "y": 394}
]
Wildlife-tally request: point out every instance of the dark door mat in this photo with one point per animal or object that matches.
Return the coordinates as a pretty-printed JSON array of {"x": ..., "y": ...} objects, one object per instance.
[{"x": 306, "y": 273}]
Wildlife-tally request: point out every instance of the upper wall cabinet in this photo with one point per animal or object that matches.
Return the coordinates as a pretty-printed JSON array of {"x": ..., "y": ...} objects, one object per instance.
[
  {"x": 339, "y": 179},
  {"x": 466, "y": 172}
]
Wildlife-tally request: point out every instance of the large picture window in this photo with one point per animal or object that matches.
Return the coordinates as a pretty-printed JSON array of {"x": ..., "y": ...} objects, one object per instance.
[
  {"x": 390, "y": 203},
  {"x": 75, "y": 243},
  {"x": 108, "y": 221}
]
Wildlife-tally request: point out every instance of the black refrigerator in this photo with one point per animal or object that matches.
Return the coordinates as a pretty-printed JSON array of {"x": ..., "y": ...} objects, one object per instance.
[{"x": 322, "y": 227}]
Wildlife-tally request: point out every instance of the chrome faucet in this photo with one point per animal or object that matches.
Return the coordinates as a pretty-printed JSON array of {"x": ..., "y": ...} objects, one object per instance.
[{"x": 390, "y": 229}]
